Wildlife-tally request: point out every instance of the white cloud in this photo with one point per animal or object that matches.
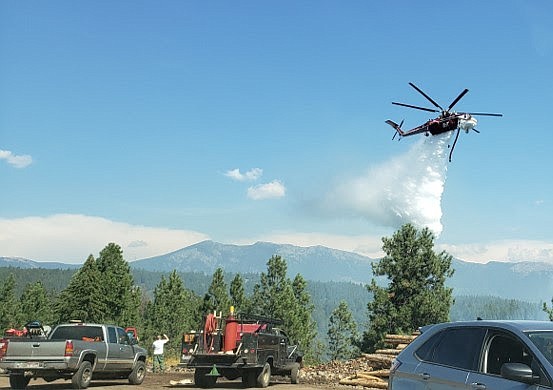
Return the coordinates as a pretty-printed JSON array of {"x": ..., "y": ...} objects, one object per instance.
[
  {"x": 70, "y": 238},
  {"x": 274, "y": 189},
  {"x": 21, "y": 161},
  {"x": 504, "y": 250},
  {"x": 252, "y": 175}
]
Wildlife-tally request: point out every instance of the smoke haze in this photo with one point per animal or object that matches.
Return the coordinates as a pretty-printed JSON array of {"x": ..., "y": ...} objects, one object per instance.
[{"x": 406, "y": 189}]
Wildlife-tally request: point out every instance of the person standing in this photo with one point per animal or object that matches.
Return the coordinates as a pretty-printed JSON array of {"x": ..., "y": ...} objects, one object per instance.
[{"x": 159, "y": 360}]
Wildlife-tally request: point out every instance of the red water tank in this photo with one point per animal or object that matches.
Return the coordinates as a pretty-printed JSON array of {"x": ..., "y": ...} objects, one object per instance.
[{"x": 231, "y": 331}]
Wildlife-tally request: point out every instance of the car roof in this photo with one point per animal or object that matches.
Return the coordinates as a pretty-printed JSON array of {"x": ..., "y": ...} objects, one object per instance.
[{"x": 514, "y": 325}]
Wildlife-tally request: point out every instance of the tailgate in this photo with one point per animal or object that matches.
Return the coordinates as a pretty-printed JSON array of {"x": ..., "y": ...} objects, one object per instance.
[{"x": 34, "y": 350}]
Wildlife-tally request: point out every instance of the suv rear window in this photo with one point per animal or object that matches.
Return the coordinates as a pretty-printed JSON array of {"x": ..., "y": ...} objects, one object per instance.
[{"x": 455, "y": 347}]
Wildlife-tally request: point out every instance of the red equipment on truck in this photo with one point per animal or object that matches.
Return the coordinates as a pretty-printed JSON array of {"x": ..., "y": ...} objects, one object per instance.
[{"x": 252, "y": 348}]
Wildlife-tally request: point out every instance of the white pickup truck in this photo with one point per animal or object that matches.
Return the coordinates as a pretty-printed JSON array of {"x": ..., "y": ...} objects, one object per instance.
[{"x": 77, "y": 351}]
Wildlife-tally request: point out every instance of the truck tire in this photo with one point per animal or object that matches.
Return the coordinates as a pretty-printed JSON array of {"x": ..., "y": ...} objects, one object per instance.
[
  {"x": 19, "y": 381},
  {"x": 201, "y": 379},
  {"x": 294, "y": 374},
  {"x": 264, "y": 376},
  {"x": 138, "y": 373},
  {"x": 249, "y": 378},
  {"x": 81, "y": 379}
]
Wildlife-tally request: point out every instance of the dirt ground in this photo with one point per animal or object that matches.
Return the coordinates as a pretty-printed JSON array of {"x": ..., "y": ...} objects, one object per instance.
[{"x": 155, "y": 382}]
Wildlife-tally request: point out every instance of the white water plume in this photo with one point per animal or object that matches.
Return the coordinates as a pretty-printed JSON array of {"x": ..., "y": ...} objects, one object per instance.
[{"x": 406, "y": 189}]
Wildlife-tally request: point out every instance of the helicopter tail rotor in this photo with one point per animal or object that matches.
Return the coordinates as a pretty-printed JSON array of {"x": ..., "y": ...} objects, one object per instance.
[{"x": 396, "y": 127}]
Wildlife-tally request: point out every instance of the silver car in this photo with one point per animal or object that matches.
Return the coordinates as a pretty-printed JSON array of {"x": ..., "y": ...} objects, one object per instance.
[{"x": 477, "y": 355}]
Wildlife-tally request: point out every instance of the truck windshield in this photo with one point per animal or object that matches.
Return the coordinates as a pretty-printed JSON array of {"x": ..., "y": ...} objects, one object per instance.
[{"x": 78, "y": 332}]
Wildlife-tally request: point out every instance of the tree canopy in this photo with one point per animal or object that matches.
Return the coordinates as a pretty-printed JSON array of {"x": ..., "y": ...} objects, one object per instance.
[{"x": 416, "y": 293}]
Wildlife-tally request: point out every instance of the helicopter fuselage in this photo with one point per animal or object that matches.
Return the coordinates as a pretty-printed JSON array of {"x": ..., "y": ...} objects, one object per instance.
[{"x": 450, "y": 122}]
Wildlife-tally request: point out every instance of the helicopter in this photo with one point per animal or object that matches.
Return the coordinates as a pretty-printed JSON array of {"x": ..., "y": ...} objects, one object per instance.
[{"x": 447, "y": 120}]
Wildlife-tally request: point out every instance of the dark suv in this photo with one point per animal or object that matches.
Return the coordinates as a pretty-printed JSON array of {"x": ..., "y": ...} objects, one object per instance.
[{"x": 477, "y": 355}]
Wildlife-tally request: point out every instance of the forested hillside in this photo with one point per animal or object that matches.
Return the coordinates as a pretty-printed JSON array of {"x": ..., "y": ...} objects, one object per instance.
[{"x": 326, "y": 296}]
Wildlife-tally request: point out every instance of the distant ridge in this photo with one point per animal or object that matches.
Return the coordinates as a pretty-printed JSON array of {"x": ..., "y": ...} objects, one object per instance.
[
  {"x": 527, "y": 281},
  {"x": 313, "y": 263},
  {"x": 19, "y": 262}
]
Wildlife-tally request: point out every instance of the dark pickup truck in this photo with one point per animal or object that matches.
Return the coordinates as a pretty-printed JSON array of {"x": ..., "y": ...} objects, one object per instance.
[
  {"x": 253, "y": 349},
  {"x": 77, "y": 351}
]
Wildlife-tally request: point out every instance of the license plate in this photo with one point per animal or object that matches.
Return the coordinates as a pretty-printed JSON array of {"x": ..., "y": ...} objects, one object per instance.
[{"x": 30, "y": 365}]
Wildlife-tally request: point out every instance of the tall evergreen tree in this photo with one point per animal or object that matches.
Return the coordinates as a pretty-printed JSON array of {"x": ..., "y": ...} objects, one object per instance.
[
  {"x": 119, "y": 294},
  {"x": 174, "y": 310},
  {"x": 269, "y": 294},
  {"x": 278, "y": 297},
  {"x": 217, "y": 296},
  {"x": 342, "y": 333},
  {"x": 303, "y": 329},
  {"x": 416, "y": 294},
  {"x": 237, "y": 293},
  {"x": 9, "y": 305},
  {"x": 36, "y": 304},
  {"x": 83, "y": 298}
]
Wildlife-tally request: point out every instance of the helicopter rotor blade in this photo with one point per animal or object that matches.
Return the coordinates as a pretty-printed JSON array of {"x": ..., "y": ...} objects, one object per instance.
[
  {"x": 427, "y": 97},
  {"x": 476, "y": 130},
  {"x": 416, "y": 107},
  {"x": 483, "y": 113},
  {"x": 457, "y": 99}
]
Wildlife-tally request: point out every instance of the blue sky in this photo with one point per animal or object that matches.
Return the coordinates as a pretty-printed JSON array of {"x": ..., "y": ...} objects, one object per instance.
[{"x": 156, "y": 125}]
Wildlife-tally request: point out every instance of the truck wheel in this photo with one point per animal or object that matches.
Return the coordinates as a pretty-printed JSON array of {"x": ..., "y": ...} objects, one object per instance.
[
  {"x": 249, "y": 378},
  {"x": 19, "y": 381},
  {"x": 294, "y": 374},
  {"x": 81, "y": 379},
  {"x": 264, "y": 376},
  {"x": 201, "y": 379},
  {"x": 138, "y": 373}
]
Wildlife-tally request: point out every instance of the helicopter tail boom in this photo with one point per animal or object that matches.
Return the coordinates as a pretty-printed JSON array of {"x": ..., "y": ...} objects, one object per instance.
[{"x": 396, "y": 127}]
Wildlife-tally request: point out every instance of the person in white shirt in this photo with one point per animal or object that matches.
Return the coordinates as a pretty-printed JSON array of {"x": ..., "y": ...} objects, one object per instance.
[{"x": 157, "y": 345}]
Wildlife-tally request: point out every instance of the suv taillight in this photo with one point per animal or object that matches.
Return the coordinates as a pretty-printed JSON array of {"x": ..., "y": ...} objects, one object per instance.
[
  {"x": 3, "y": 347},
  {"x": 68, "y": 348}
]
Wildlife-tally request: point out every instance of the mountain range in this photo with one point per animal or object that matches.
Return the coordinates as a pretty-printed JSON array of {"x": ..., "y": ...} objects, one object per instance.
[{"x": 527, "y": 281}]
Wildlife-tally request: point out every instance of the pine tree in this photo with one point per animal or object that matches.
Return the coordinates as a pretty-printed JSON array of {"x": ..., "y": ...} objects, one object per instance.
[
  {"x": 342, "y": 333},
  {"x": 237, "y": 294},
  {"x": 83, "y": 298},
  {"x": 302, "y": 327},
  {"x": 276, "y": 296},
  {"x": 416, "y": 294},
  {"x": 119, "y": 294},
  {"x": 217, "y": 297},
  {"x": 269, "y": 295},
  {"x": 9, "y": 306},
  {"x": 36, "y": 304},
  {"x": 174, "y": 310}
]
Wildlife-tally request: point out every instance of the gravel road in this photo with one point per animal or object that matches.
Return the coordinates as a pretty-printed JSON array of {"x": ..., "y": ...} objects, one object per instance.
[{"x": 153, "y": 382}]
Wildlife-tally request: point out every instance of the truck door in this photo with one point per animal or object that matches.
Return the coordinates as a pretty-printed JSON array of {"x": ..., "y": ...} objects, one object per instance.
[
  {"x": 112, "y": 358},
  {"x": 126, "y": 351}
]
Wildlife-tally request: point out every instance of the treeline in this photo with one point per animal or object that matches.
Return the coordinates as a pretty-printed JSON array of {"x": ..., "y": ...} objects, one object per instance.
[
  {"x": 104, "y": 290},
  {"x": 468, "y": 307},
  {"x": 333, "y": 320},
  {"x": 326, "y": 296}
]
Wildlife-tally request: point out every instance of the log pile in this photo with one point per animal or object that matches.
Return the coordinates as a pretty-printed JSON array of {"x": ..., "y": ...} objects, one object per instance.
[{"x": 370, "y": 371}]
